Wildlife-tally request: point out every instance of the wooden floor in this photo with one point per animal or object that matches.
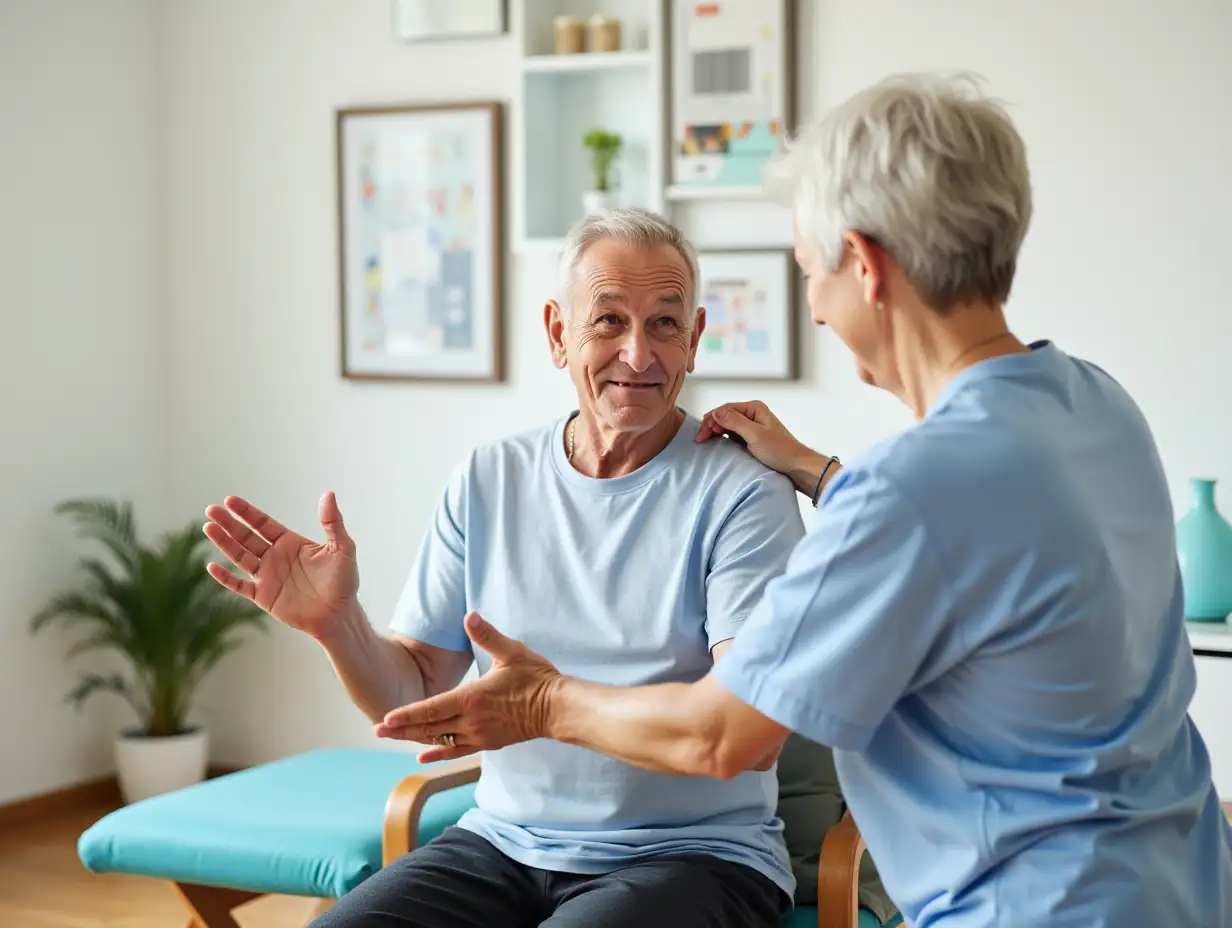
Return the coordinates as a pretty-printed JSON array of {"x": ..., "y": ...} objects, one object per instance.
[{"x": 43, "y": 885}]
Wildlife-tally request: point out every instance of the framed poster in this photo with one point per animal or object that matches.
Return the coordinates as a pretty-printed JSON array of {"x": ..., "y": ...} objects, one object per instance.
[
  {"x": 749, "y": 298},
  {"x": 732, "y": 90},
  {"x": 423, "y": 20},
  {"x": 420, "y": 229}
]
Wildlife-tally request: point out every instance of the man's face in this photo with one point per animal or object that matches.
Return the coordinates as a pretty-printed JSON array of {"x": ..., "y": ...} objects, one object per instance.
[{"x": 631, "y": 335}]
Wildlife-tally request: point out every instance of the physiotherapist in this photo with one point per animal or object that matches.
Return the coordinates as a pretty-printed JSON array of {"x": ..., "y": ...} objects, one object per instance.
[{"x": 985, "y": 619}]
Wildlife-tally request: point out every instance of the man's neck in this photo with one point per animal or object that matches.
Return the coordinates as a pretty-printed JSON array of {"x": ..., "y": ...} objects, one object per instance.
[{"x": 603, "y": 452}]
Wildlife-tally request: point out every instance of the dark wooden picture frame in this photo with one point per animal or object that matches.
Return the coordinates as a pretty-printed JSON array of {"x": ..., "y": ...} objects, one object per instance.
[
  {"x": 788, "y": 290},
  {"x": 423, "y": 234}
]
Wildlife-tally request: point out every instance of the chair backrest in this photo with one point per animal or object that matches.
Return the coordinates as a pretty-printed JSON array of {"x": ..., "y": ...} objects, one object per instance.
[{"x": 810, "y": 804}]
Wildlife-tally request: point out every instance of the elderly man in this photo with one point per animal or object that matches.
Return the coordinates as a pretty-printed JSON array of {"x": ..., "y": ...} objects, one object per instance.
[{"x": 615, "y": 543}]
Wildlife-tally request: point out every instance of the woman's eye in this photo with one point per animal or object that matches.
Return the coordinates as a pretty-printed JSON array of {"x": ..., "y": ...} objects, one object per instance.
[{"x": 668, "y": 323}]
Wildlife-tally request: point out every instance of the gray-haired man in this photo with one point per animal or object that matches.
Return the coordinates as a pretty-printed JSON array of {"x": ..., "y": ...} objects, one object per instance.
[{"x": 620, "y": 547}]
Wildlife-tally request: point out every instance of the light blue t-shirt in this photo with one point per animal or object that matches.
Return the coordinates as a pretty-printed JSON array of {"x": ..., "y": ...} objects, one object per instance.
[
  {"x": 985, "y": 622},
  {"x": 623, "y": 581}
]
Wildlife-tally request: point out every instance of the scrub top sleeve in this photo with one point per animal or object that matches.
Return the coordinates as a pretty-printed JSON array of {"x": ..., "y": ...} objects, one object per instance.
[{"x": 860, "y": 615}]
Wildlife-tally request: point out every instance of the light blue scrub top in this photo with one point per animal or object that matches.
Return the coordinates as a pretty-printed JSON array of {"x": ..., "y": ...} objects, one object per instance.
[{"x": 985, "y": 622}]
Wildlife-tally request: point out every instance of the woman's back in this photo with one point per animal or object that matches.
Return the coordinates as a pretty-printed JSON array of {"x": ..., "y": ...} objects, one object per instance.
[
  {"x": 1052, "y": 707},
  {"x": 985, "y": 623}
]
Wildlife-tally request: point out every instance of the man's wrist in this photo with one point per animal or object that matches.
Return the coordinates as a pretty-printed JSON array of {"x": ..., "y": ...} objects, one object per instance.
[
  {"x": 346, "y": 628},
  {"x": 557, "y": 700}
]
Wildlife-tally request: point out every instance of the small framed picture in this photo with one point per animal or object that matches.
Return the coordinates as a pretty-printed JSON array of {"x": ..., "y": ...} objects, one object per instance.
[
  {"x": 425, "y": 20},
  {"x": 750, "y": 302},
  {"x": 420, "y": 240}
]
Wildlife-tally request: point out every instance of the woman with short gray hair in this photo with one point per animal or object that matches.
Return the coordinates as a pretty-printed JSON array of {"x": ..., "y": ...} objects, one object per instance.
[{"x": 985, "y": 620}]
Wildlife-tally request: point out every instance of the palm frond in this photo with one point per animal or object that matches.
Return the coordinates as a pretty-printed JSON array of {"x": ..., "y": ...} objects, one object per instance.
[
  {"x": 106, "y": 521},
  {"x": 157, "y": 606}
]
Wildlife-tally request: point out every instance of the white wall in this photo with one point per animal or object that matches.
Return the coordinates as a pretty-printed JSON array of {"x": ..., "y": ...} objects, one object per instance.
[
  {"x": 1123, "y": 105},
  {"x": 82, "y": 339}
]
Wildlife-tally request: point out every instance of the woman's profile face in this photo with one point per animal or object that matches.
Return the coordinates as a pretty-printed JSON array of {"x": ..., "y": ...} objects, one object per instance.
[{"x": 838, "y": 299}]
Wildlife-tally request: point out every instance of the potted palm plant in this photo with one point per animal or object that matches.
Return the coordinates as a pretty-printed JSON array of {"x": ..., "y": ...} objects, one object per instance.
[
  {"x": 603, "y": 146},
  {"x": 159, "y": 609}
]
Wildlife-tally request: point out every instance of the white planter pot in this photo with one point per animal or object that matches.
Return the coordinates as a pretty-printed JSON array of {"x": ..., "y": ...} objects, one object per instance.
[
  {"x": 596, "y": 201},
  {"x": 149, "y": 766}
]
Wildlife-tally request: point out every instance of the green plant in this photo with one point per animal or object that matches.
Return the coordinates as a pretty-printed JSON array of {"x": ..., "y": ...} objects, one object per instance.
[
  {"x": 156, "y": 606},
  {"x": 604, "y": 146}
]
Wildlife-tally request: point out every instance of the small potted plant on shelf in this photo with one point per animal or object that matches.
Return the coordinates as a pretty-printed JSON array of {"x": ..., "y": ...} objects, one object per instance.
[
  {"x": 161, "y": 611},
  {"x": 603, "y": 146}
]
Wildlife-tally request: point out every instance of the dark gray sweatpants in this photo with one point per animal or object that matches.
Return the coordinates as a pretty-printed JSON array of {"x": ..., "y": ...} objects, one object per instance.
[{"x": 460, "y": 880}]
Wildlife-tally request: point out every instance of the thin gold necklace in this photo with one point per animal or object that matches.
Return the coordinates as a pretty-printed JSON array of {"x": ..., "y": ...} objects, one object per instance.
[{"x": 572, "y": 423}]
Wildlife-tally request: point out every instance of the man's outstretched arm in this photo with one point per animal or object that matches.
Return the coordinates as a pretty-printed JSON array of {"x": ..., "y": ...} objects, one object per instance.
[{"x": 686, "y": 728}]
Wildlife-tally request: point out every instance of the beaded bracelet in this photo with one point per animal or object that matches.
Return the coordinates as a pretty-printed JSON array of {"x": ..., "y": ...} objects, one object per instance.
[{"x": 817, "y": 489}]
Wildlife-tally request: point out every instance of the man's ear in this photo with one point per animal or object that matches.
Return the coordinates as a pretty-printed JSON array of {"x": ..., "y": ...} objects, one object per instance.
[
  {"x": 699, "y": 326},
  {"x": 869, "y": 265},
  {"x": 554, "y": 324}
]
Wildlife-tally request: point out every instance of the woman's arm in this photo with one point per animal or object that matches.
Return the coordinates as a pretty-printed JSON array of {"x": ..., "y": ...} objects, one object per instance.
[{"x": 768, "y": 440}]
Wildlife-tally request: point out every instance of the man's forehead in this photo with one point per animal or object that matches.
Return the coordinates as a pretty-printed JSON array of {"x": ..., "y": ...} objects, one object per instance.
[{"x": 608, "y": 259}]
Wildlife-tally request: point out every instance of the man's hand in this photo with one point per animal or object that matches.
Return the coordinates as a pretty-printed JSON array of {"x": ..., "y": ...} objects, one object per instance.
[
  {"x": 508, "y": 704},
  {"x": 768, "y": 440},
  {"x": 308, "y": 586}
]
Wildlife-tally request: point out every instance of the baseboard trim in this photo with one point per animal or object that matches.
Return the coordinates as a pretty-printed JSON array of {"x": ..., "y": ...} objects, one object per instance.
[{"x": 88, "y": 794}]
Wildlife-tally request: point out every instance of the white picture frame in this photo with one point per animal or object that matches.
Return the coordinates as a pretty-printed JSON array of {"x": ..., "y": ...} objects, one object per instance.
[
  {"x": 421, "y": 241},
  {"x": 732, "y": 92},
  {"x": 749, "y": 296},
  {"x": 428, "y": 20}
]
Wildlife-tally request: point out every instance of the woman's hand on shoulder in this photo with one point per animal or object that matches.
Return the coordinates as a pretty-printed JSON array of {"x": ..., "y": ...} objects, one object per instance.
[{"x": 767, "y": 439}]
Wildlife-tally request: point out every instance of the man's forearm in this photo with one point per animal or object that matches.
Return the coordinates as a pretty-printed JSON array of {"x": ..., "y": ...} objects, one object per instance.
[
  {"x": 378, "y": 673},
  {"x": 663, "y": 728}
]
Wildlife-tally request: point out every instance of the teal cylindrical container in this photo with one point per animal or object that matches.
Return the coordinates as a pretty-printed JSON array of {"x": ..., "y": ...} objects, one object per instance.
[{"x": 1204, "y": 544}]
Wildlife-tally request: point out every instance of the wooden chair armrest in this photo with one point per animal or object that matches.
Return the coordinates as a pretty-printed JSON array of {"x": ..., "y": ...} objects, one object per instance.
[
  {"x": 838, "y": 876},
  {"x": 406, "y": 802}
]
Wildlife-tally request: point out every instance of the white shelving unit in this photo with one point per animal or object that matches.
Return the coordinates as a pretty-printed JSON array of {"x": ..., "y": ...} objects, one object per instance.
[{"x": 564, "y": 96}]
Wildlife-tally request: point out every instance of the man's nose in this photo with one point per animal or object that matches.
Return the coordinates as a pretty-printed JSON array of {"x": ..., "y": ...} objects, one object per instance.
[{"x": 636, "y": 350}]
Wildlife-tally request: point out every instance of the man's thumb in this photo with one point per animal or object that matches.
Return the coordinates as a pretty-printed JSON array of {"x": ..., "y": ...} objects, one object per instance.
[
  {"x": 331, "y": 520},
  {"x": 488, "y": 638}
]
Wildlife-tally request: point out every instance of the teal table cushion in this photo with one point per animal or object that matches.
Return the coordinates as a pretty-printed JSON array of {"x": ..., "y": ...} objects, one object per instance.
[
  {"x": 308, "y": 825},
  {"x": 806, "y": 917}
]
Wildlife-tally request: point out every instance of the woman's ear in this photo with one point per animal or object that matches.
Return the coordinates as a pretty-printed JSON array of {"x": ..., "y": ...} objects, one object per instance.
[{"x": 868, "y": 265}]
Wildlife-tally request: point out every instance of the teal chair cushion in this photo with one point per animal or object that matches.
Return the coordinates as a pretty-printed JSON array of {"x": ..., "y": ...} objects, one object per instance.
[{"x": 308, "y": 825}]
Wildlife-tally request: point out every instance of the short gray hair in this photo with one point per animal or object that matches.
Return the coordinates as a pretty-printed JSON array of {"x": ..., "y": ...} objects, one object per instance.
[
  {"x": 930, "y": 169},
  {"x": 630, "y": 225}
]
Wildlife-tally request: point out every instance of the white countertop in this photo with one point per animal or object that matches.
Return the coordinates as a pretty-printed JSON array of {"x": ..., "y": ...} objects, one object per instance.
[{"x": 1210, "y": 636}]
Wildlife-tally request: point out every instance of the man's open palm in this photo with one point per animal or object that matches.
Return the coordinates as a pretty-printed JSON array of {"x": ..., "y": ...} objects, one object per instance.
[{"x": 301, "y": 583}]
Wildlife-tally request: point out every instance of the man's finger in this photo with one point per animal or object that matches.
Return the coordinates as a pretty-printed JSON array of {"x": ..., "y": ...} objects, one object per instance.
[
  {"x": 266, "y": 526},
  {"x": 245, "y": 588},
  {"x": 222, "y": 517},
  {"x": 483, "y": 634},
  {"x": 440, "y": 752},
  {"x": 429, "y": 711},
  {"x": 240, "y": 556}
]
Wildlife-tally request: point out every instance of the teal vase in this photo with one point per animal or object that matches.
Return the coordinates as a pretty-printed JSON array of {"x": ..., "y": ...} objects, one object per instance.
[{"x": 1204, "y": 544}]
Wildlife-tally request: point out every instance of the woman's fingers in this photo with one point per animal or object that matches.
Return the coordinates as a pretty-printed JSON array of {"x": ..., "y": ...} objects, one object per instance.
[
  {"x": 240, "y": 556},
  {"x": 440, "y": 752},
  {"x": 245, "y": 588}
]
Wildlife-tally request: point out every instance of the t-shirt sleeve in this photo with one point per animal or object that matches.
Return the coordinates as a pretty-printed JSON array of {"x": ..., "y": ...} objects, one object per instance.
[
  {"x": 751, "y": 548},
  {"x": 859, "y": 618},
  {"x": 433, "y": 601}
]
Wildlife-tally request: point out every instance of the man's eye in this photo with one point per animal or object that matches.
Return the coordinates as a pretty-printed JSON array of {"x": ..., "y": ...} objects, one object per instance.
[
  {"x": 609, "y": 319},
  {"x": 668, "y": 323}
]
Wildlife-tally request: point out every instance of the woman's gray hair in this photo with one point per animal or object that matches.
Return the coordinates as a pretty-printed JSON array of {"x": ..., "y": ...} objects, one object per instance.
[
  {"x": 630, "y": 225},
  {"x": 928, "y": 168}
]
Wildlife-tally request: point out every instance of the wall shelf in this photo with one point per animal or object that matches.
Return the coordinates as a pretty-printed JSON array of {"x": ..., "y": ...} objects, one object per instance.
[
  {"x": 563, "y": 97},
  {"x": 678, "y": 192},
  {"x": 587, "y": 61}
]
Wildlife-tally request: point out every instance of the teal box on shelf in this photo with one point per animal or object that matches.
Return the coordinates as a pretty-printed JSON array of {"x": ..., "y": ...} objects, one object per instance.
[{"x": 1204, "y": 544}]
